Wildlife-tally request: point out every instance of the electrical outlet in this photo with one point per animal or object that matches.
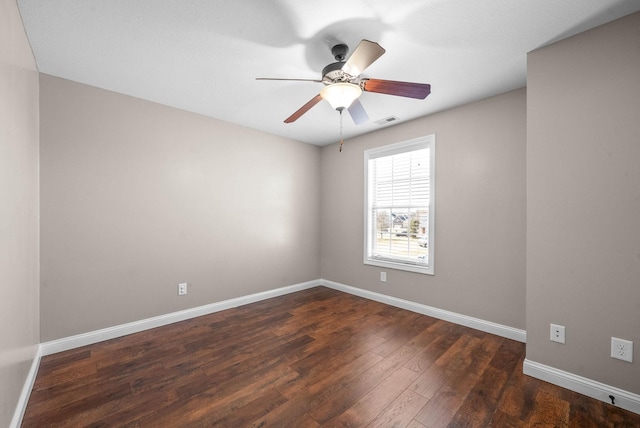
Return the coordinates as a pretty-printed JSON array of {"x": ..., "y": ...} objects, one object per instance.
[
  {"x": 557, "y": 333},
  {"x": 383, "y": 276},
  {"x": 182, "y": 289},
  {"x": 622, "y": 349}
]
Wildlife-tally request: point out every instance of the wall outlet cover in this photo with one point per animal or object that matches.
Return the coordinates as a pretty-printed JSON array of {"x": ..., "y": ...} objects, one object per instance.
[
  {"x": 622, "y": 349},
  {"x": 182, "y": 289},
  {"x": 556, "y": 333}
]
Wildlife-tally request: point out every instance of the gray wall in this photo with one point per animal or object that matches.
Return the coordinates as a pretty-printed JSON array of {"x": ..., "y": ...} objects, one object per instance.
[
  {"x": 583, "y": 201},
  {"x": 480, "y": 212},
  {"x": 137, "y": 197},
  {"x": 19, "y": 282}
]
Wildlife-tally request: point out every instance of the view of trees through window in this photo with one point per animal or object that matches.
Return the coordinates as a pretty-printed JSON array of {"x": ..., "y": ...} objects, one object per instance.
[{"x": 402, "y": 234}]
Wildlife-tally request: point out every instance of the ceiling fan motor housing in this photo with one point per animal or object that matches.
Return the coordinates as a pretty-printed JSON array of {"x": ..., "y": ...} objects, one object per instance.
[{"x": 333, "y": 73}]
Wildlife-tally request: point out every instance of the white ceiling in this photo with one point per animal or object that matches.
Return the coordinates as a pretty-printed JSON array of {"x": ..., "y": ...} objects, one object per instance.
[{"x": 204, "y": 55}]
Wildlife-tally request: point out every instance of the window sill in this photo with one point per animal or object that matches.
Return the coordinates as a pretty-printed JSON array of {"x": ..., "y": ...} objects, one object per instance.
[{"x": 425, "y": 270}]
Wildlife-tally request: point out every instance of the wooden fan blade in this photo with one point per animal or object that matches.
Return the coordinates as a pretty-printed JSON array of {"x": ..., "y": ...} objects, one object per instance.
[
  {"x": 401, "y": 89},
  {"x": 362, "y": 57},
  {"x": 302, "y": 110},
  {"x": 357, "y": 113},
  {"x": 294, "y": 80}
]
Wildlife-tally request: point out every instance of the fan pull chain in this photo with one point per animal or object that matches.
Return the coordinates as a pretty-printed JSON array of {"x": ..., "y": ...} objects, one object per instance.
[{"x": 341, "y": 140}]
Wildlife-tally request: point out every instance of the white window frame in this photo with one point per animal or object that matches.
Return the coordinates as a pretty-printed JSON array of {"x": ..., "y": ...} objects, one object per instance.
[{"x": 428, "y": 142}]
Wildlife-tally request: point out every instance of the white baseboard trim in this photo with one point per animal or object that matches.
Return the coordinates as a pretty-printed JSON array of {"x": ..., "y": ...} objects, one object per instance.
[
  {"x": 72, "y": 342},
  {"x": 591, "y": 388},
  {"x": 23, "y": 400},
  {"x": 467, "y": 321}
]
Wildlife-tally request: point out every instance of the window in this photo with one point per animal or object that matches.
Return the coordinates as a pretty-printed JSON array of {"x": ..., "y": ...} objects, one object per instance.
[{"x": 399, "y": 205}]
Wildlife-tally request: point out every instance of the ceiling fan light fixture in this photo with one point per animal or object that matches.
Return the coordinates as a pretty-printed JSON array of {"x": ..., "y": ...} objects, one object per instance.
[{"x": 341, "y": 95}]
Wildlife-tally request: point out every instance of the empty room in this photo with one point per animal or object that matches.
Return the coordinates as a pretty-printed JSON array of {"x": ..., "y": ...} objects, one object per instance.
[{"x": 294, "y": 214}]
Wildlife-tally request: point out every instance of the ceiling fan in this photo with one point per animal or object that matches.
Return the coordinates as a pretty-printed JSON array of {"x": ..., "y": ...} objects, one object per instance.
[{"x": 343, "y": 86}]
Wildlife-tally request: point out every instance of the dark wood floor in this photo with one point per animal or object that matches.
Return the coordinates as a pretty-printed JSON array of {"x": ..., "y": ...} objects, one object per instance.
[{"x": 316, "y": 358}]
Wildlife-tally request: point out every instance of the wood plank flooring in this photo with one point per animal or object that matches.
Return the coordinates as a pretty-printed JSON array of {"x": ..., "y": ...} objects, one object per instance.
[{"x": 316, "y": 358}]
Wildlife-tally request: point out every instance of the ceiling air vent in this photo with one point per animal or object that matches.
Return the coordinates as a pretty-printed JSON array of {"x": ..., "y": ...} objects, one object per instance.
[{"x": 386, "y": 120}]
